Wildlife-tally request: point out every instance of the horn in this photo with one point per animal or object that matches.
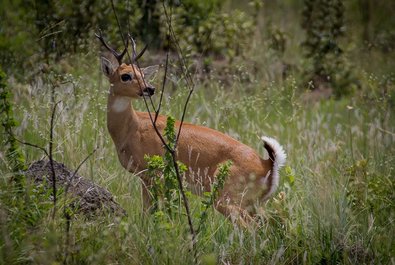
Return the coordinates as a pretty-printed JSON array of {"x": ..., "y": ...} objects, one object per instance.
[
  {"x": 116, "y": 54},
  {"x": 136, "y": 56}
]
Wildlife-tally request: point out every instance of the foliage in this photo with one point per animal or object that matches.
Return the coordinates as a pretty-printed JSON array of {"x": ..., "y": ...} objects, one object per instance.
[
  {"x": 371, "y": 192},
  {"x": 324, "y": 25},
  {"x": 52, "y": 31},
  {"x": 201, "y": 28},
  {"x": 16, "y": 34},
  {"x": 164, "y": 190},
  {"x": 14, "y": 154},
  {"x": 210, "y": 197},
  {"x": 68, "y": 27}
]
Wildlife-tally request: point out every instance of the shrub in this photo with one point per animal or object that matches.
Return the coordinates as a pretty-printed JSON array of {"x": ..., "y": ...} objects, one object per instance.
[{"x": 323, "y": 22}]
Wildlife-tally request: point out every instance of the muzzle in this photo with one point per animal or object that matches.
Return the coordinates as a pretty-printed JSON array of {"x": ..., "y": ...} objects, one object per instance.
[{"x": 148, "y": 91}]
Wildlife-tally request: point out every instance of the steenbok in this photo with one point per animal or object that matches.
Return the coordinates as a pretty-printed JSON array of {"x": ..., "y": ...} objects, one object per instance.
[{"x": 251, "y": 178}]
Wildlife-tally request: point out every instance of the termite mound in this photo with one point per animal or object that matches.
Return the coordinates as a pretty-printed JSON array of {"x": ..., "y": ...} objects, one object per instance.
[{"x": 87, "y": 197}]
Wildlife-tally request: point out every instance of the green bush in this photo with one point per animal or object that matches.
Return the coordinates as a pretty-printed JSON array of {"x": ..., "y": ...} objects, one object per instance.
[
  {"x": 201, "y": 28},
  {"x": 323, "y": 22}
]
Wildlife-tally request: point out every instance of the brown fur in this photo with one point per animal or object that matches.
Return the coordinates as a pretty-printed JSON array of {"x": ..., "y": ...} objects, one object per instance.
[{"x": 202, "y": 149}]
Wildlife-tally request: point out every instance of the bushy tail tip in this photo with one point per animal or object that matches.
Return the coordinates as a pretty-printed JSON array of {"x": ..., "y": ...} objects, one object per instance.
[
  {"x": 278, "y": 156},
  {"x": 275, "y": 150}
]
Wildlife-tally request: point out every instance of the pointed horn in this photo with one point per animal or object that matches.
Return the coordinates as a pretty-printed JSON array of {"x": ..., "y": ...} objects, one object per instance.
[
  {"x": 141, "y": 53},
  {"x": 116, "y": 54},
  {"x": 133, "y": 47},
  {"x": 134, "y": 51},
  {"x": 124, "y": 50}
]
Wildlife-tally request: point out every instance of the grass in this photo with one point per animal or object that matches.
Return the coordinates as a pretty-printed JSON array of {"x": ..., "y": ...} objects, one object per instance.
[{"x": 335, "y": 202}]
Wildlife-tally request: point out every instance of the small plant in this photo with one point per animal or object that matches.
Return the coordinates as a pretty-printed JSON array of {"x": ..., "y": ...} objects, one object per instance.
[
  {"x": 164, "y": 189},
  {"x": 369, "y": 192},
  {"x": 210, "y": 197}
]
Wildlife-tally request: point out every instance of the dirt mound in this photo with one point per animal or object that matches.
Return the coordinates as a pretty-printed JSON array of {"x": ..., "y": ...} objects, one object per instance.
[{"x": 89, "y": 198}]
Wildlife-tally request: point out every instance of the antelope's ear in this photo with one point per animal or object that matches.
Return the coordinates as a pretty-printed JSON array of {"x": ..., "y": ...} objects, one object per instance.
[
  {"x": 150, "y": 71},
  {"x": 107, "y": 67}
]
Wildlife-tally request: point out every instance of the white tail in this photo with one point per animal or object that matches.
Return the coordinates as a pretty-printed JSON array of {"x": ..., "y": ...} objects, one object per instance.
[{"x": 278, "y": 156}]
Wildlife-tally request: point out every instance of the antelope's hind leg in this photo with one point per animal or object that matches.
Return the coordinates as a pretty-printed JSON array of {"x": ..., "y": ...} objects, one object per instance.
[
  {"x": 237, "y": 215},
  {"x": 233, "y": 201}
]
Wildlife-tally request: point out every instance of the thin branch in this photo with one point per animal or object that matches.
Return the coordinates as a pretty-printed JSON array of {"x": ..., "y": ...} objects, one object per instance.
[
  {"x": 140, "y": 54},
  {"x": 187, "y": 75},
  {"x": 146, "y": 105},
  {"x": 136, "y": 63},
  {"x": 119, "y": 26},
  {"x": 50, "y": 153},
  {"x": 185, "y": 200},
  {"x": 65, "y": 213},
  {"x": 181, "y": 57},
  {"x": 165, "y": 75},
  {"x": 33, "y": 145},
  {"x": 183, "y": 115},
  {"x": 385, "y": 131},
  {"x": 163, "y": 87},
  {"x": 173, "y": 152},
  {"x": 76, "y": 170}
]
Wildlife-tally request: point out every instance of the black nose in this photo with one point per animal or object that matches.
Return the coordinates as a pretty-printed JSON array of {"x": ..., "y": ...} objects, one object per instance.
[{"x": 150, "y": 90}]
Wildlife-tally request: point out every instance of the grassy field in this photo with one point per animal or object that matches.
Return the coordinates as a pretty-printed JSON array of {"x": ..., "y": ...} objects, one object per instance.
[{"x": 335, "y": 202}]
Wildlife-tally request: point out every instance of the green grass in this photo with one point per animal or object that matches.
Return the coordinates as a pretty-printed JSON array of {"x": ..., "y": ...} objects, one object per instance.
[{"x": 335, "y": 202}]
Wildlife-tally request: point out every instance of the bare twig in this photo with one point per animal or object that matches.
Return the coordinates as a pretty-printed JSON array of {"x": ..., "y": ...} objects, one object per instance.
[
  {"x": 181, "y": 57},
  {"x": 174, "y": 151},
  {"x": 50, "y": 155},
  {"x": 65, "y": 212},
  {"x": 165, "y": 75},
  {"x": 184, "y": 198},
  {"x": 183, "y": 115},
  {"x": 188, "y": 78},
  {"x": 385, "y": 131},
  {"x": 76, "y": 170},
  {"x": 163, "y": 88},
  {"x": 136, "y": 62},
  {"x": 33, "y": 145}
]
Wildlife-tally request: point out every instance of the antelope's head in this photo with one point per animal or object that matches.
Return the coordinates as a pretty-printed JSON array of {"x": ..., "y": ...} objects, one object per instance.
[{"x": 126, "y": 80}]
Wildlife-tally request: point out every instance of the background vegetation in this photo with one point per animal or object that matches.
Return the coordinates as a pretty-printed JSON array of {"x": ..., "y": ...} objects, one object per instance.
[{"x": 316, "y": 75}]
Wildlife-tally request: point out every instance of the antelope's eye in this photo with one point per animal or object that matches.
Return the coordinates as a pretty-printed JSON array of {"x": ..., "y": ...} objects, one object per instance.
[{"x": 126, "y": 77}]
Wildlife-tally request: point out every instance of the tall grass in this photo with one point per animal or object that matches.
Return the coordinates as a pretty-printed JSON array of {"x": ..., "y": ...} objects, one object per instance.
[{"x": 335, "y": 202}]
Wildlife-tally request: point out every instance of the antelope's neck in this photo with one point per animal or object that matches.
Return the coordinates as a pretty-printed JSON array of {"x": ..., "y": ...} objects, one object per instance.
[{"x": 121, "y": 118}]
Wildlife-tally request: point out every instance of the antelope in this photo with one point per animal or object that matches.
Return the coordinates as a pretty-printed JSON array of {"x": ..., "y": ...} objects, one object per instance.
[{"x": 251, "y": 178}]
